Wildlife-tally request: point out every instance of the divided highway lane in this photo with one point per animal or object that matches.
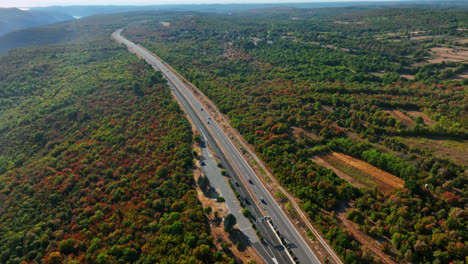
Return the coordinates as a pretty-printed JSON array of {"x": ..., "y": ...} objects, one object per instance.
[
  {"x": 271, "y": 250},
  {"x": 237, "y": 164}
]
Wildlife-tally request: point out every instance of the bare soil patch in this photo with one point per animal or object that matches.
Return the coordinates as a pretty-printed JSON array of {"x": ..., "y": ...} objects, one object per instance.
[
  {"x": 166, "y": 24},
  {"x": 378, "y": 74},
  {"x": 404, "y": 119},
  {"x": 342, "y": 22},
  {"x": 440, "y": 54},
  {"x": 408, "y": 76},
  {"x": 297, "y": 131},
  {"x": 327, "y": 108},
  {"x": 421, "y": 37},
  {"x": 427, "y": 120},
  {"x": 460, "y": 76},
  {"x": 362, "y": 173},
  {"x": 462, "y": 41},
  {"x": 328, "y": 46}
]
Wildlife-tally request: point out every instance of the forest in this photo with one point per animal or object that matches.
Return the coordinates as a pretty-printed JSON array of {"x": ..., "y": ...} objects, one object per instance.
[
  {"x": 96, "y": 156},
  {"x": 95, "y": 159},
  {"x": 366, "y": 82}
]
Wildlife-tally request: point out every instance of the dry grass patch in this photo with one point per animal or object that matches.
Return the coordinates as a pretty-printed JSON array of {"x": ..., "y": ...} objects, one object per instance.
[
  {"x": 404, "y": 119},
  {"x": 166, "y": 24},
  {"x": 408, "y": 76},
  {"x": 327, "y": 108},
  {"x": 297, "y": 131},
  {"x": 440, "y": 54},
  {"x": 422, "y": 37},
  {"x": 360, "y": 173},
  {"x": 342, "y": 22},
  {"x": 454, "y": 150},
  {"x": 378, "y": 74},
  {"x": 460, "y": 76}
]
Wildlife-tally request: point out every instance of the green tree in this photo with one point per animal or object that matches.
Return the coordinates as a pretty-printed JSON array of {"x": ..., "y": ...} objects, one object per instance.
[
  {"x": 203, "y": 183},
  {"x": 229, "y": 222},
  {"x": 419, "y": 120},
  {"x": 246, "y": 212}
]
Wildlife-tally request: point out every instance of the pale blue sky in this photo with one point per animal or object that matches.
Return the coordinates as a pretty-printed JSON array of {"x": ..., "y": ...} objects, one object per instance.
[{"x": 30, "y": 3}]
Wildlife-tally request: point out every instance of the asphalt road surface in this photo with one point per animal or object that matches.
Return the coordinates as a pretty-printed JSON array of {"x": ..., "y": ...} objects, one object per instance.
[{"x": 261, "y": 203}]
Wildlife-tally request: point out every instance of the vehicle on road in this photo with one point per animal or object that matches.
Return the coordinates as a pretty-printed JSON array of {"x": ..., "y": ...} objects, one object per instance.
[
  {"x": 262, "y": 200},
  {"x": 236, "y": 183},
  {"x": 246, "y": 200},
  {"x": 202, "y": 163},
  {"x": 250, "y": 181}
]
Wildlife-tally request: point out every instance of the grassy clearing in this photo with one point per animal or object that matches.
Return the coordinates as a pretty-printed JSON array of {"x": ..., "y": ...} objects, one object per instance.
[
  {"x": 454, "y": 150},
  {"x": 364, "y": 178},
  {"x": 359, "y": 173}
]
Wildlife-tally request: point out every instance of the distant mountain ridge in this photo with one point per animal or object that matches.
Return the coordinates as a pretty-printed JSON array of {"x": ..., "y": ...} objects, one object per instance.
[
  {"x": 86, "y": 10},
  {"x": 12, "y": 19}
]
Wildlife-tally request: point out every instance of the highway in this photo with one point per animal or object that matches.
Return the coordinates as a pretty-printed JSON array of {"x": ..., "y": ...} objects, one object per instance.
[{"x": 261, "y": 203}]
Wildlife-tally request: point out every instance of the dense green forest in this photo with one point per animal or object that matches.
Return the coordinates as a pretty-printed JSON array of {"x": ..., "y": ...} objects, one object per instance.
[
  {"x": 339, "y": 74},
  {"x": 95, "y": 159}
]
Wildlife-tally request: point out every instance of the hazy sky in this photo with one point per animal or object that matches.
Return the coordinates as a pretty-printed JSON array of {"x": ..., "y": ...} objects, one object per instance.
[{"x": 29, "y": 3}]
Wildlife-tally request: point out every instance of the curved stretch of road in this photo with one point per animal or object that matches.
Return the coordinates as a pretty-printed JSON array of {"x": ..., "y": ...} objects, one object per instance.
[{"x": 261, "y": 203}]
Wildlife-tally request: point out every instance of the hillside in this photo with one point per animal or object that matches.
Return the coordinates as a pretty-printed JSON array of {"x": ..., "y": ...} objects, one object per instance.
[
  {"x": 81, "y": 29},
  {"x": 12, "y": 19},
  {"x": 95, "y": 159}
]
